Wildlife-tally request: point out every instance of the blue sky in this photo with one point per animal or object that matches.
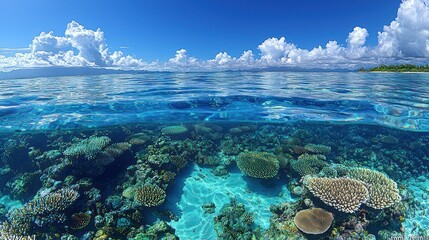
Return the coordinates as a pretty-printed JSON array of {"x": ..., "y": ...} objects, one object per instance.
[
  {"x": 213, "y": 35},
  {"x": 156, "y": 29}
]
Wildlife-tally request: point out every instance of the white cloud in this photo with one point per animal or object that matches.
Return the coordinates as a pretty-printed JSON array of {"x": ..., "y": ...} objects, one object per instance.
[
  {"x": 90, "y": 44},
  {"x": 408, "y": 34},
  {"x": 182, "y": 59},
  {"x": 406, "y": 39},
  {"x": 357, "y": 38},
  {"x": 274, "y": 49}
]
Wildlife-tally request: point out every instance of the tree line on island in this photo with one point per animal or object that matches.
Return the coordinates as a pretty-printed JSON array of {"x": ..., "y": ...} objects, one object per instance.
[{"x": 397, "y": 68}]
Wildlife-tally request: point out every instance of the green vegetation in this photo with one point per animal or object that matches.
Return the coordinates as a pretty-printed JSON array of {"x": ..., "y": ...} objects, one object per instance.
[{"x": 397, "y": 68}]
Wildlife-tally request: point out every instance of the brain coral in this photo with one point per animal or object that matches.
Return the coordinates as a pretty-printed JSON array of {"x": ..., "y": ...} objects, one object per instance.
[
  {"x": 150, "y": 195},
  {"x": 317, "y": 148},
  {"x": 313, "y": 221},
  {"x": 258, "y": 164},
  {"x": 383, "y": 191},
  {"x": 344, "y": 194},
  {"x": 308, "y": 164}
]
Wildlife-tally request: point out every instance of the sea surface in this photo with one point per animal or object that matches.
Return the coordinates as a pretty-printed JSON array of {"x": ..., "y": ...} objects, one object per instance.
[{"x": 226, "y": 155}]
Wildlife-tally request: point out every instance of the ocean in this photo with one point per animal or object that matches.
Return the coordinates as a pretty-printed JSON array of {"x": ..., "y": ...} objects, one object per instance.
[{"x": 223, "y": 155}]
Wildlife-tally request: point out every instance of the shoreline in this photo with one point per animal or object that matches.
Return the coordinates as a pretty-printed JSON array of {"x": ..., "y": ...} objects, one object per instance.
[{"x": 389, "y": 72}]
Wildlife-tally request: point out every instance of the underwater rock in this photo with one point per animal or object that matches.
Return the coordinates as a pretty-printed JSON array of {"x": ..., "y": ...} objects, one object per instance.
[
  {"x": 313, "y": 221},
  {"x": 220, "y": 171},
  {"x": 258, "y": 164},
  {"x": 344, "y": 194},
  {"x": 209, "y": 208}
]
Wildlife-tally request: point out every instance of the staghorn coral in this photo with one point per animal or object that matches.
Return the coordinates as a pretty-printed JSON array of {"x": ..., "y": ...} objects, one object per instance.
[
  {"x": 41, "y": 211},
  {"x": 317, "y": 148},
  {"x": 150, "y": 195},
  {"x": 258, "y": 164},
  {"x": 344, "y": 194},
  {"x": 383, "y": 191},
  {"x": 309, "y": 164},
  {"x": 313, "y": 221},
  {"x": 79, "y": 220}
]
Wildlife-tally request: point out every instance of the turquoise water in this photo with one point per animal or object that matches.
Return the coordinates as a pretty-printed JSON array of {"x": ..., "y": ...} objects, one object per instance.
[
  {"x": 229, "y": 155},
  {"x": 387, "y": 99}
]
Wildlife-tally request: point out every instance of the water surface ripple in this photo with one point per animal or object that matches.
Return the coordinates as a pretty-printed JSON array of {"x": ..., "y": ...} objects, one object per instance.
[{"x": 391, "y": 99}]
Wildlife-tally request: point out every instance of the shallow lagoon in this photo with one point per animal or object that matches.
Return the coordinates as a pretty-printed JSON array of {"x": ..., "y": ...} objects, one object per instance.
[{"x": 160, "y": 156}]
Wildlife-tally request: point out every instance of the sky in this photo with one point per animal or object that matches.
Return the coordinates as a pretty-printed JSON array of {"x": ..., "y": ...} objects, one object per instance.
[{"x": 212, "y": 34}]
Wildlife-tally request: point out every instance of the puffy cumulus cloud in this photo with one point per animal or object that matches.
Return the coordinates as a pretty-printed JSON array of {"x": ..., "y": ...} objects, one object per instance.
[
  {"x": 274, "y": 49},
  {"x": 408, "y": 34},
  {"x": 47, "y": 42},
  {"x": 357, "y": 37},
  {"x": 90, "y": 44},
  {"x": 78, "y": 47},
  {"x": 182, "y": 59},
  {"x": 405, "y": 40}
]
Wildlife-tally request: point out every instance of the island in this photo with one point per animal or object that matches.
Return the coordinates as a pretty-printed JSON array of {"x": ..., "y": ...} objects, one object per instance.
[{"x": 397, "y": 68}]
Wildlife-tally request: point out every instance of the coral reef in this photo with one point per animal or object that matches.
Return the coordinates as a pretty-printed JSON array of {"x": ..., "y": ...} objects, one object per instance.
[
  {"x": 317, "y": 148},
  {"x": 91, "y": 155},
  {"x": 174, "y": 130},
  {"x": 309, "y": 164},
  {"x": 150, "y": 195},
  {"x": 233, "y": 222},
  {"x": 105, "y": 183},
  {"x": 383, "y": 191},
  {"x": 313, "y": 221},
  {"x": 344, "y": 194},
  {"x": 79, "y": 220},
  {"x": 258, "y": 164},
  {"x": 41, "y": 211}
]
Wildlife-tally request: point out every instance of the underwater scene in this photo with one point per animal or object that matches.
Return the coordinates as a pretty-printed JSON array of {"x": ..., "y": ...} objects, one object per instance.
[{"x": 231, "y": 155}]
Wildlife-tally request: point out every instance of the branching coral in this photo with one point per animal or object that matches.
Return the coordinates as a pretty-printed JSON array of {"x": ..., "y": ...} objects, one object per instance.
[
  {"x": 317, "y": 148},
  {"x": 258, "y": 164},
  {"x": 88, "y": 148},
  {"x": 92, "y": 155},
  {"x": 42, "y": 211},
  {"x": 308, "y": 164},
  {"x": 344, "y": 194},
  {"x": 383, "y": 191},
  {"x": 150, "y": 195},
  {"x": 174, "y": 130}
]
